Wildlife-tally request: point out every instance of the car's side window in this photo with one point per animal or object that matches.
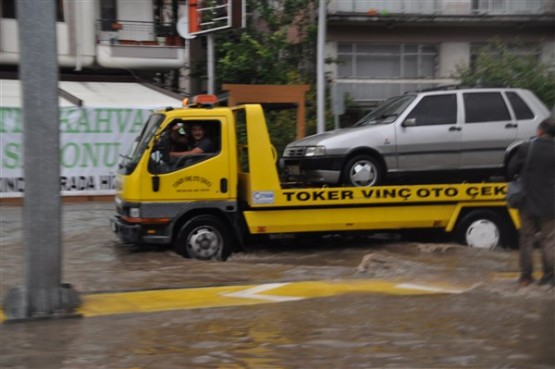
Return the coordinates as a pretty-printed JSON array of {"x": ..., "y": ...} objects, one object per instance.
[
  {"x": 434, "y": 110},
  {"x": 522, "y": 111},
  {"x": 485, "y": 107}
]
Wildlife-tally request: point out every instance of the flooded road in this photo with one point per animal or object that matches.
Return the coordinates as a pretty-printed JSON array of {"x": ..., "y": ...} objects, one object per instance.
[{"x": 494, "y": 324}]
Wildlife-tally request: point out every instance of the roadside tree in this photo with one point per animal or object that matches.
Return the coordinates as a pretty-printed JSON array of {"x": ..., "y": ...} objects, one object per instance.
[{"x": 501, "y": 65}]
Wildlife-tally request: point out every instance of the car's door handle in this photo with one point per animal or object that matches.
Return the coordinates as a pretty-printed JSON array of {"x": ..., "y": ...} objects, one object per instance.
[
  {"x": 511, "y": 125},
  {"x": 454, "y": 128}
]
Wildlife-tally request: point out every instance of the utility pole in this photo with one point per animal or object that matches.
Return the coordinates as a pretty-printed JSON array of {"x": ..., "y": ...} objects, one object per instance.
[
  {"x": 320, "y": 77},
  {"x": 210, "y": 63},
  {"x": 43, "y": 294}
]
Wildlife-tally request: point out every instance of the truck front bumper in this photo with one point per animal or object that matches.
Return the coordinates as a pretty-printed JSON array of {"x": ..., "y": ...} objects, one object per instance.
[
  {"x": 128, "y": 233},
  {"x": 159, "y": 234}
]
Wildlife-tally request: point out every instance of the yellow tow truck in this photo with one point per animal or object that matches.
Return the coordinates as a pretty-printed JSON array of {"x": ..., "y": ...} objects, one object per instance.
[{"x": 207, "y": 205}]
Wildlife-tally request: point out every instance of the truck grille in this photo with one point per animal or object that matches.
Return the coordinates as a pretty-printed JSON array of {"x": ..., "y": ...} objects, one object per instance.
[{"x": 294, "y": 152}]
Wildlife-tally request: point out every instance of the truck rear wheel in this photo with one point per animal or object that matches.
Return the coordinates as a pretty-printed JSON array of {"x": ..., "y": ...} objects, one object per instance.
[
  {"x": 484, "y": 229},
  {"x": 204, "y": 237}
]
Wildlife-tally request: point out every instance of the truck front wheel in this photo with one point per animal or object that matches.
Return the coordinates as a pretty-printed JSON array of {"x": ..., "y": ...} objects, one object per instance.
[
  {"x": 204, "y": 237},
  {"x": 484, "y": 229}
]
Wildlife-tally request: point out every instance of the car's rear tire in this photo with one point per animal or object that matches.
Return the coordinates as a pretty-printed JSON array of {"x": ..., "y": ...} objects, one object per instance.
[{"x": 363, "y": 171}]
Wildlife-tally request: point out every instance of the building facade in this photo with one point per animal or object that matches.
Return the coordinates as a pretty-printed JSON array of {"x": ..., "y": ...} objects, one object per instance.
[
  {"x": 382, "y": 48},
  {"x": 385, "y": 48},
  {"x": 119, "y": 34}
]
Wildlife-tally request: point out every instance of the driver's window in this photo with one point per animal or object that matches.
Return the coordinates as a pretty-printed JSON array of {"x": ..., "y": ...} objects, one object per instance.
[
  {"x": 434, "y": 110},
  {"x": 184, "y": 143}
]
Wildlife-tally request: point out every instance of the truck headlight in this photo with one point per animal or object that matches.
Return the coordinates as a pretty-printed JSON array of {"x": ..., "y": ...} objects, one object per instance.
[
  {"x": 315, "y": 151},
  {"x": 134, "y": 212}
]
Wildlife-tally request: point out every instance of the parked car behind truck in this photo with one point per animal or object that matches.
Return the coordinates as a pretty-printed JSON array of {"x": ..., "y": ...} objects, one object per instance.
[{"x": 432, "y": 131}]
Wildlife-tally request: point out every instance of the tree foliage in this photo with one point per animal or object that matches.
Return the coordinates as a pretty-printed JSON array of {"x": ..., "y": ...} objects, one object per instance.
[
  {"x": 498, "y": 65},
  {"x": 278, "y": 46}
]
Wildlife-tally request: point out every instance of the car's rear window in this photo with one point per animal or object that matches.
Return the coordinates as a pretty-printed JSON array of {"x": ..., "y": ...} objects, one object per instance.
[
  {"x": 485, "y": 107},
  {"x": 522, "y": 111}
]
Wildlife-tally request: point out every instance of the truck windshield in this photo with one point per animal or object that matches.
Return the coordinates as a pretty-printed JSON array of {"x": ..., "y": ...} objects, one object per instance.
[
  {"x": 387, "y": 112},
  {"x": 129, "y": 162}
]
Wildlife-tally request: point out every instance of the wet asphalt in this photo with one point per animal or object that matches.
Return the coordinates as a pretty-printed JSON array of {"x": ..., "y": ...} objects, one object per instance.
[{"x": 494, "y": 323}]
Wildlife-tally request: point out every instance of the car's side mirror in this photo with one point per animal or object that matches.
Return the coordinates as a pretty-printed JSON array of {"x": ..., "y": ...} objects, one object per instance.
[{"x": 410, "y": 122}]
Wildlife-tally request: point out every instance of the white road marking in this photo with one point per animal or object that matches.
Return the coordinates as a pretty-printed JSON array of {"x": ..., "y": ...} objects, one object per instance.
[
  {"x": 252, "y": 293},
  {"x": 412, "y": 286}
]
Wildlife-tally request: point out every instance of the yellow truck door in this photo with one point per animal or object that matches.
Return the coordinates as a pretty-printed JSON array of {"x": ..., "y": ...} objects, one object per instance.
[{"x": 193, "y": 177}]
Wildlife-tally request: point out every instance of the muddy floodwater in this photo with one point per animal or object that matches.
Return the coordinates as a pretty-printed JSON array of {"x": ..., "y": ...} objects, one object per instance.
[{"x": 488, "y": 322}]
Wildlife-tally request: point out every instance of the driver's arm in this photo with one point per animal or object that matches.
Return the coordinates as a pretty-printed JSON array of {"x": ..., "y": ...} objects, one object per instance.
[{"x": 177, "y": 154}]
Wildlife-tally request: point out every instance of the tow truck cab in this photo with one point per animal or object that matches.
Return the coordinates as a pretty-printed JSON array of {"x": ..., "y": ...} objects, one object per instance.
[{"x": 206, "y": 205}]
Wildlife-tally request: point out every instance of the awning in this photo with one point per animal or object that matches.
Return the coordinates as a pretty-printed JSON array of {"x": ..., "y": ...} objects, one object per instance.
[{"x": 95, "y": 94}]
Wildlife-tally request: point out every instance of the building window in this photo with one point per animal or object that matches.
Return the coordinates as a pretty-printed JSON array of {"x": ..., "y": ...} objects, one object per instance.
[
  {"x": 8, "y": 10},
  {"x": 501, "y": 7},
  {"x": 60, "y": 10},
  {"x": 108, "y": 14},
  {"x": 386, "y": 61},
  {"x": 489, "y": 6}
]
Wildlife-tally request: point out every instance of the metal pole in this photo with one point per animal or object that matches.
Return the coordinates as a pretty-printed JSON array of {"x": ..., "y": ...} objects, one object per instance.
[
  {"x": 210, "y": 62},
  {"x": 43, "y": 294},
  {"x": 320, "y": 77}
]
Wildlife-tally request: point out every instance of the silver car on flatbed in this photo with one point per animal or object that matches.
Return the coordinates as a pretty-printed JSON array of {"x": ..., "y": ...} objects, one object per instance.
[{"x": 427, "y": 131}]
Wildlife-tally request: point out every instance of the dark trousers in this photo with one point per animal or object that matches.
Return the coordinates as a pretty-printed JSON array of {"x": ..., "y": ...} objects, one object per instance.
[{"x": 541, "y": 231}]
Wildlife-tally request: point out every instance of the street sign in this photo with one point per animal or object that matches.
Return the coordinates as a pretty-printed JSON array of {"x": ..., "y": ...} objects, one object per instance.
[
  {"x": 337, "y": 100},
  {"x": 212, "y": 15},
  {"x": 209, "y": 16}
]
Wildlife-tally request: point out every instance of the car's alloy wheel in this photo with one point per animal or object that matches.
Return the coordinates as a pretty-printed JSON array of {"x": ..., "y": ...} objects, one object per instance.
[{"x": 363, "y": 171}]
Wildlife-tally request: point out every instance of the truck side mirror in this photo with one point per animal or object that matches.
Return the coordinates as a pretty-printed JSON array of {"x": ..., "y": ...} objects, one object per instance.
[{"x": 410, "y": 122}]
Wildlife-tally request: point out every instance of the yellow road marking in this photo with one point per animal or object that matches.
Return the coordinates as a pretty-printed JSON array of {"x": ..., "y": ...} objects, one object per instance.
[
  {"x": 209, "y": 297},
  {"x": 199, "y": 298},
  {"x": 514, "y": 275},
  {"x": 160, "y": 300}
]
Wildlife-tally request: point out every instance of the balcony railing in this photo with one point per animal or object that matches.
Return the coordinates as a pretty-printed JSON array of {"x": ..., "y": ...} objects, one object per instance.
[
  {"x": 444, "y": 7},
  {"x": 137, "y": 33}
]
